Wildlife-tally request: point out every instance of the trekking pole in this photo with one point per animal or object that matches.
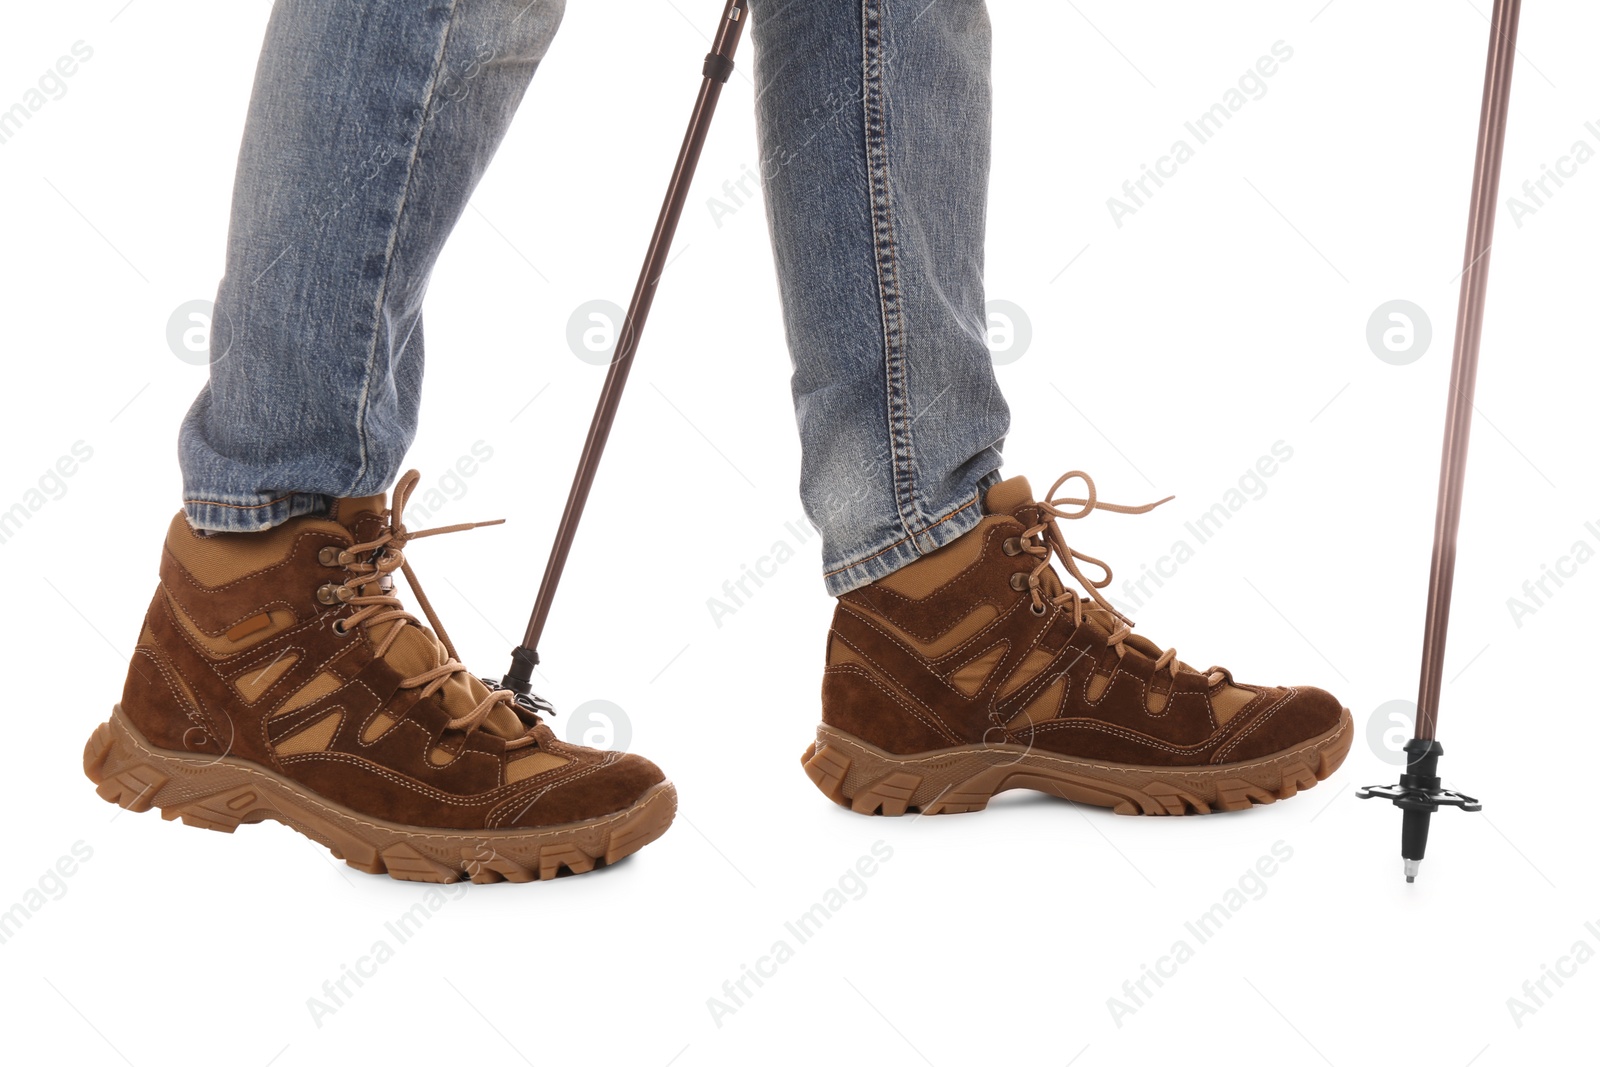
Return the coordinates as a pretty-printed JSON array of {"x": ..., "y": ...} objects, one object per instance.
[
  {"x": 718, "y": 66},
  {"x": 1418, "y": 794}
]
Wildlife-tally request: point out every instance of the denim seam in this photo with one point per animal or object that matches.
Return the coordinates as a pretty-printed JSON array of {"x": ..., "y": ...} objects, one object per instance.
[
  {"x": 886, "y": 261},
  {"x": 394, "y": 237},
  {"x": 896, "y": 544},
  {"x": 215, "y": 516},
  {"x": 242, "y": 507}
]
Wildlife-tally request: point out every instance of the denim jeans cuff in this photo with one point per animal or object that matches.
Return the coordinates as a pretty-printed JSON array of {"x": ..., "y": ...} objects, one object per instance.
[
  {"x": 244, "y": 515},
  {"x": 890, "y": 558}
]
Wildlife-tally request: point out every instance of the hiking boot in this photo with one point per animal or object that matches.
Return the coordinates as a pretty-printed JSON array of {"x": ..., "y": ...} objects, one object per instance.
[
  {"x": 976, "y": 669},
  {"x": 278, "y": 677}
]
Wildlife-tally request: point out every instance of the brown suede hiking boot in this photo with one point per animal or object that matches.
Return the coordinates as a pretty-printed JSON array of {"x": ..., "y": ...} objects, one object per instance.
[
  {"x": 976, "y": 670},
  {"x": 278, "y": 677}
]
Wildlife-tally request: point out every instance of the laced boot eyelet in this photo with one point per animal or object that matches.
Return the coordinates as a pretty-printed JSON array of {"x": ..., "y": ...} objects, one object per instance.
[
  {"x": 1019, "y": 580},
  {"x": 1011, "y": 546},
  {"x": 334, "y": 556},
  {"x": 333, "y": 593},
  {"x": 340, "y": 628},
  {"x": 1038, "y": 609}
]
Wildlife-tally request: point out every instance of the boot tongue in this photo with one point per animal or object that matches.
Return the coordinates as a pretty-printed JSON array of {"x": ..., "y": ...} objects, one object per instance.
[
  {"x": 1005, "y": 497},
  {"x": 347, "y": 511},
  {"x": 417, "y": 649}
]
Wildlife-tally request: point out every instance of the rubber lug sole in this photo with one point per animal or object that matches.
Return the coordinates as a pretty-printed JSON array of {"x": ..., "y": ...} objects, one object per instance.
[
  {"x": 870, "y": 781},
  {"x": 223, "y": 793}
]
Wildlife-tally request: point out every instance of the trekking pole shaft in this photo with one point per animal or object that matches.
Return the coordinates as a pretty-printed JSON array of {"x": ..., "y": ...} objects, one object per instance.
[
  {"x": 718, "y": 64},
  {"x": 1464, "y": 358}
]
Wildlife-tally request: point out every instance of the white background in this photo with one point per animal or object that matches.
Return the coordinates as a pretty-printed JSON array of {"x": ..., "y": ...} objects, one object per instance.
[{"x": 1226, "y": 315}]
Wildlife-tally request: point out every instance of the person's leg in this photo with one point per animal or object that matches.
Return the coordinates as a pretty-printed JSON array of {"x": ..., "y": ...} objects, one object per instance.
[
  {"x": 370, "y": 124},
  {"x": 959, "y": 662},
  {"x": 874, "y": 127}
]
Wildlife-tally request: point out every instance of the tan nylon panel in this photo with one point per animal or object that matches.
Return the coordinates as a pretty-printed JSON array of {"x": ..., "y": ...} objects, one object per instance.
[
  {"x": 1032, "y": 664},
  {"x": 311, "y": 692},
  {"x": 222, "y": 647},
  {"x": 917, "y": 580},
  {"x": 378, "y": 727},
  {"x": 313, "y": 738},
  {"x": 970, "y": 678},
  {"x": 218, "y": 559},
  {"x": 536, "y": 762},
  {"x": 1042, "y": 707},
  {"x": 1229, "y": 701},
  {"x": 975, "y": 620},
  {"x": 252, "y": 685}
]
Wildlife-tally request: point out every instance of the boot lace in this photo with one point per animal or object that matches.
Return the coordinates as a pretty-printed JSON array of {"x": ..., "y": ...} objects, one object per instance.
[
  {"x": 371, "y": 591},
  {"x": 1045, "y": 541}
]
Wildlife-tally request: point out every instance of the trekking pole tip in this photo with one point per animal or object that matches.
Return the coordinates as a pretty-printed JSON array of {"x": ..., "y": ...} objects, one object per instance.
[{"x": 1418, "y": 796}]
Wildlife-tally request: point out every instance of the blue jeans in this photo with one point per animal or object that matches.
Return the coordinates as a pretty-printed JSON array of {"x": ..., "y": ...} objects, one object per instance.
[{"x": 370, "y": 124}]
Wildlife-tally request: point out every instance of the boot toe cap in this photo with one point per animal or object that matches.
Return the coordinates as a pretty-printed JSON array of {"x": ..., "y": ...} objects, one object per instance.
[
  {"x": 1299, "y": 715},
  {"x": 606, "y": 787}
]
